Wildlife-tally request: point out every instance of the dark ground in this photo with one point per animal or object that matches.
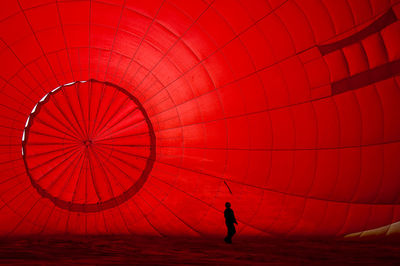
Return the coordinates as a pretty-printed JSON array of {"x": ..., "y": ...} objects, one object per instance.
[{"x": 169, "y": 251}]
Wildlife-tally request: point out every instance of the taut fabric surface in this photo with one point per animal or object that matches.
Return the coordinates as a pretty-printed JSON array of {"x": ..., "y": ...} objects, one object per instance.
[{"x": 145, "y": 117}]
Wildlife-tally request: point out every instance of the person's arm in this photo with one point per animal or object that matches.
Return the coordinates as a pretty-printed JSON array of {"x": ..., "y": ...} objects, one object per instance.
[{"x": 234, "y": 219}]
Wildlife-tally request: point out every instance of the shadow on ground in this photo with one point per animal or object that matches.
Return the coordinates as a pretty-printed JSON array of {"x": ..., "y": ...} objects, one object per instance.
[{"x": 169, "y": 251}]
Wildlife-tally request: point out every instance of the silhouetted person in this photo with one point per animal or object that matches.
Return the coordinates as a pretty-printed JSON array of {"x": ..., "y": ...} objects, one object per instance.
[{"x": 229, "y": 221}]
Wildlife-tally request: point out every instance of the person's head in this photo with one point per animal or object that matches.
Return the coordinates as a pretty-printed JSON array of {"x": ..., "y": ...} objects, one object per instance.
[{"x": 228, "y": 204}]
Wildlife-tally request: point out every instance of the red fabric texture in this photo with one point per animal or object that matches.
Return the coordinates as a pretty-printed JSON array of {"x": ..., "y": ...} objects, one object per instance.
[{"x": 145, "y": 117}]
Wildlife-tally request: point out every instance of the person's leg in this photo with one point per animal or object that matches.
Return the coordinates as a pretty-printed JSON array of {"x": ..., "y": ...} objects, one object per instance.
[
  {"x": 231, "y": 232},
  {"x": 226, "y": 239}
]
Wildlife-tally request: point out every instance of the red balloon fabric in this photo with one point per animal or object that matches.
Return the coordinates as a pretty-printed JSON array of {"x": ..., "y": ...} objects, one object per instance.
[
  {"x": 145, "y": 117},
  {"x": 88, "y": 148}
]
